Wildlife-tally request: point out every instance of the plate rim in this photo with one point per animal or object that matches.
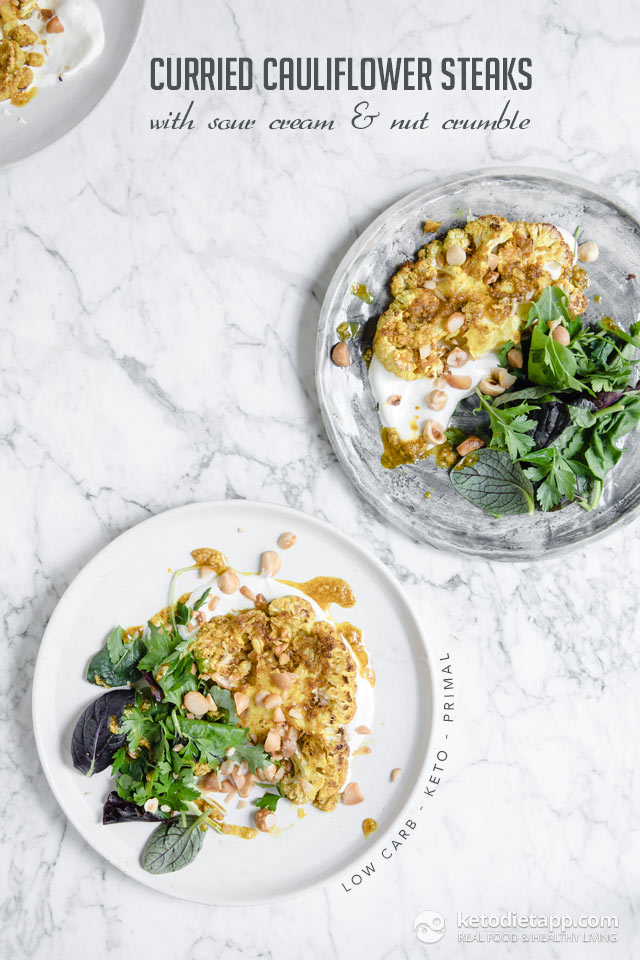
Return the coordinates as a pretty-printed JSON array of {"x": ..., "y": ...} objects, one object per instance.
[
  {"x": 24, "y": 158},
  {"x": 75, "y": 586},
  {"x": 400, "y": 521}
]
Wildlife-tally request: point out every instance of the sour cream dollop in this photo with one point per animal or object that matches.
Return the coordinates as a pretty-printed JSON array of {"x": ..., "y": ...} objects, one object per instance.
[{"x": 79, "y": 45}]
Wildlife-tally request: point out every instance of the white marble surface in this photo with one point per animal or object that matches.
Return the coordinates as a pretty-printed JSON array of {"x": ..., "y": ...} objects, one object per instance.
[{"x": 160, "y": 296}]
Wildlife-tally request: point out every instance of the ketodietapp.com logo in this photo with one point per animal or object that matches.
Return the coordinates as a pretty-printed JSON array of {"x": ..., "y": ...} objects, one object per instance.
[
  {"x": 512, "y": 927},
  {"x": 429, "y": 926}
]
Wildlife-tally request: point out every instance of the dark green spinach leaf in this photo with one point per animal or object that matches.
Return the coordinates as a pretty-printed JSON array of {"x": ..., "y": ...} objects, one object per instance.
[{"x": 117, "y": 663}]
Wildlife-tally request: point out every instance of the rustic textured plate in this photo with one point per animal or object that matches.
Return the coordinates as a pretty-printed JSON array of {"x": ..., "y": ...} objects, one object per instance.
[{"x": 445, "y": 519}]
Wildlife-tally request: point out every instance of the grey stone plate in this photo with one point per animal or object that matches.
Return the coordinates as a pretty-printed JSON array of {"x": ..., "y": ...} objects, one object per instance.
[{"x": 445, "y": 519}]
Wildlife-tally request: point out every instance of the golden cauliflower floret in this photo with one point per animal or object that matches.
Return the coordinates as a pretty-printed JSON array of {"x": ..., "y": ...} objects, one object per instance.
[
  {"x": 8, "y": 13},
  {"x": 319, "y": 771},
  {"x": 27, "y": 8},
  {"x": 12, "y": 57},
  {"x": 314, "y": 688},
  {"x": 23, "y": 35},
  {"x": 35, "y": 59},
  {"x": 505, "y": 266}
]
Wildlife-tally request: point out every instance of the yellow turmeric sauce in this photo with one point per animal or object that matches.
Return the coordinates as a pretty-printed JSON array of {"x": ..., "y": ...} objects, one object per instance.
[
  {"x": 369, "y": 826},
  {"x": 325, "y": 591},
  {"x": 398, "y": 452},
  {"x": 246, "y": 833}
]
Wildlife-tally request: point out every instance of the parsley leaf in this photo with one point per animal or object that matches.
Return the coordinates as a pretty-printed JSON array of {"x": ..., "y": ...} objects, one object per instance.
[
  {"x": 268, "y": 801},
  {"x": 556, "y": 476},
  {"x": 510, "y": 426},
  {"x": 117, "y": 663}
]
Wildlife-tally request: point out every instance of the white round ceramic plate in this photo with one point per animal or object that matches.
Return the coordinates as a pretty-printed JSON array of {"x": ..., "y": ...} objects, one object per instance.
[
  {"x": 125, "y": 583},
  {"x": 57, "y": 110}
]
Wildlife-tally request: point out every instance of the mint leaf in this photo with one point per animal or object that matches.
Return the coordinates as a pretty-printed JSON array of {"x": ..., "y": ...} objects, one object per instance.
[{"x": 489, "y": 479}]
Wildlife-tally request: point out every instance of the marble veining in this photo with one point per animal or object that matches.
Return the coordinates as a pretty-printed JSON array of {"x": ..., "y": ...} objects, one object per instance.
[{"x": 161, "y": 294}]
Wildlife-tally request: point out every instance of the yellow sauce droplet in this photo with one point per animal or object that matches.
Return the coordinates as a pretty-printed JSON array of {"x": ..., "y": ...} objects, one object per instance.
[
  {"x": 369, "y": 826},
  {"x": 597, "y": 298},
  {"x": 301, "y": 813},
  {"x": 427, "y": 494},
  {"x": 325, "y": 591}
]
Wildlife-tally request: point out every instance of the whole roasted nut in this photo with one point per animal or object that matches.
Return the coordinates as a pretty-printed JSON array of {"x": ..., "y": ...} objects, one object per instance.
[
  {"x": 588, "y": 252},
  {"x": 286, "y": 540},
  {"x": 490, "y": 387},
  {"x": 456, "y": 255},
  {"x": 273, "y": 741},
  {"x": 433, "y": 432},
  {"x": 454, "y": 322},
  {"x": 352, "y": 794},
  {"x": 283, "y": 680},
  {"x": 55, "y": 25},
  {"x": 195, "y": 703},
  {"x": 436, "y": 399},
  {"x": 271, "y": 563},
  {"x": 515, "y": 358},
  {"x": 504, "y": 378},
  {"x": 562, "y": 336},
  {"x": 340, "y": 355},
  {"x": 459, "y": 381},
  {"x": 457, "y": 357},
  {"x": 229, "y": 581},
  {"x": 469, "y": 445},
  {"x": 241, "y": 701},
  {"x": 265, "y": 820}
]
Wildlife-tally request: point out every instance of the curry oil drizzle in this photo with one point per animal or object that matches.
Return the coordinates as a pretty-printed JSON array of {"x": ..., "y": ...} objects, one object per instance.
[
  {"x": 325, "y": 591},
  {"x": 398, "y": 452}
]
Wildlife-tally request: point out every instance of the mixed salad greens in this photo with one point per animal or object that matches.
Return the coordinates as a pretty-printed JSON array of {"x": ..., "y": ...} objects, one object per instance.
[
  {"x": 155, "y": 749},
  {"x": 551, "y": 438}
]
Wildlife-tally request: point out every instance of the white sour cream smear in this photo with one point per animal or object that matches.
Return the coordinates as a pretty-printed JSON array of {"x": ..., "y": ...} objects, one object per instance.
[
  {"x": 409, "y": 416},
  {"x": 79, "y": 45}
]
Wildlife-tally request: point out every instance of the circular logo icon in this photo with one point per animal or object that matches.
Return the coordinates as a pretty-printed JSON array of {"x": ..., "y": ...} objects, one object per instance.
[{"x": 429, "y": 926}]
